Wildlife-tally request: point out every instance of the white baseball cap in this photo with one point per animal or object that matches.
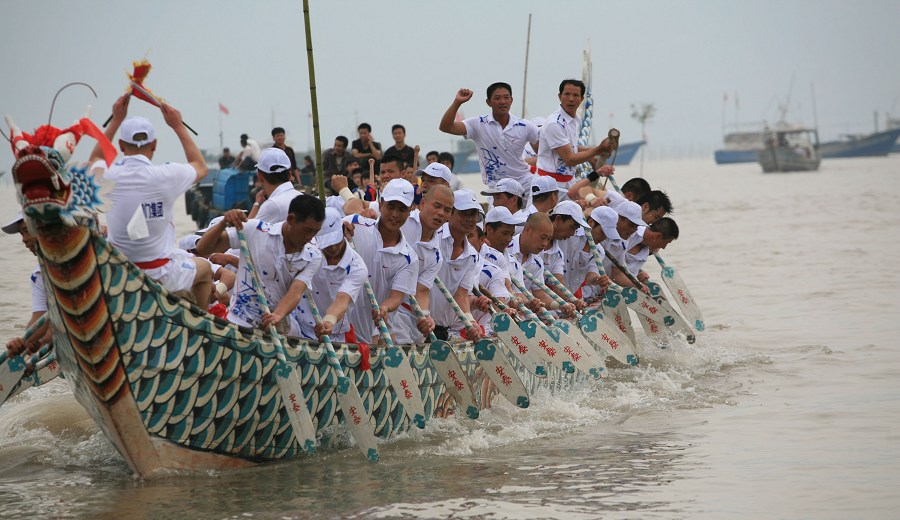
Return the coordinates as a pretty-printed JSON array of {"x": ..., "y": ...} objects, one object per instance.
[
  {"x": 137, "y": 125},
  {"x": 273, "y": 160},
  {"x": 436, "y": 170},
  {"x": 212, "y": 223},
  {"x": 465, "y": 199},
  {"x": 543, "y": 184},
  {"x": 12, "y": 227},
  {"x": 631, "y": 211},
  {"x": 400, "y": 190},
  {"x": 506, "y": 186},
  {"x": 502, "y": 214},
  {"x": 189, "y": 242},
  {"x": 607, "y": 218},
  {"x": 569, "y": 208},
  {"x": 332, "y": 231}
]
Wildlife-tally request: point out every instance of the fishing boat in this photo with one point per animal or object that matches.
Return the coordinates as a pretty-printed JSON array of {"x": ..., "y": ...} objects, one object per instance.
[
  {"x": 790, "y": 151},
  {"x": 869, "y": 145},
  {"x": 740, "y": 147}
]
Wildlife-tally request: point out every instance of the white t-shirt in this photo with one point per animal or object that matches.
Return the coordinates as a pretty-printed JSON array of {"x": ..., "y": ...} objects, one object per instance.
[
  {"x": 635, "y": 261},
  {"x": 429, "y": 252},
  {"x": 251, "y": 150},
  {"x": 500, "y": 149},
  {"x": 578, "y": 262},
  {"x": 277, "y": 270},
  {"x": 554, "y": 259},
  {"x": 38, "y": 296},
  {"x": 347, "y": 276},
  {"x": 461, "y": 271},
  {"x": 534, "y": 264},
  {"x": 153, "y": 189},
  {"x": 560, "y": 129},
  {"x": 493, "y": 279},
  {"x": 392, "y": 268},
  {"x": 275, "y": 208}
]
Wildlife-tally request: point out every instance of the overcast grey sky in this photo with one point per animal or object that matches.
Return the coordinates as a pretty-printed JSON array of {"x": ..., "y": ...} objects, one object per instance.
[{"x": 402, "y": 61}]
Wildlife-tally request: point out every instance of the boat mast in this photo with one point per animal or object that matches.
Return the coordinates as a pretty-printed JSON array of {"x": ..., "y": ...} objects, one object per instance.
[
  {"x": 525, "y": 80},
  {"x": 812, "y": 91},
  {"x": 320, "y": 177}
]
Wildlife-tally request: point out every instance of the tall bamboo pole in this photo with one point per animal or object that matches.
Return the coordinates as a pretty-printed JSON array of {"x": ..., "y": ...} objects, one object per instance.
[
  {"x": 525, "y": 80},
  {"x": 320, "y": 177}
]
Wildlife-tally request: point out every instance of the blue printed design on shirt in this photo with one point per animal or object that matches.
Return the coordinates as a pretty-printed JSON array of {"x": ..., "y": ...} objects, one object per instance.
[
  {"x": 153, "y": 210},
  {"x": 492, "y": 165}
]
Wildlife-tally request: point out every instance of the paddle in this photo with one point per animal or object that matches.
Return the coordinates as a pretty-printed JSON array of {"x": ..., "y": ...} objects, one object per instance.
[
  {"x": 399, "y": 372},
  {"x": 449, "y": 369},
  {"x": 657, "y": 309},
  {"x": 573, "y": 342},
  {"x": 497, "y": 367},
  {"x": 622, "y": 339},
  {"x": 287, "y": 378},
  {"x": 676, "y": 286},
  {"x": 12, "y": 368},
  {"x": 524, "y": 349},
  {"x": 45, "y": 369},
  {"x": 359, "y": 422}
]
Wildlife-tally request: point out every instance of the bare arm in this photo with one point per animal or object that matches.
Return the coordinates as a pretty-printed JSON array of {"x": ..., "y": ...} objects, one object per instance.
[
  {"x": 191, "y": 151},
  {"x": 287, "y": 303},
  {"x": 215, "y": 240},
  {"x": 449, "y": 124},
  {"x": 119, "y": 111}
]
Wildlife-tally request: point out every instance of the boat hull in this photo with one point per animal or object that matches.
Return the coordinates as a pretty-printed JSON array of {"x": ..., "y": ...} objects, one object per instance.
[
  {"x": 777, "y": 160},
  {"x": 735, "y": 156},
  {"x": 872, "y": 145},
  {"x": 175, "y": 388}
]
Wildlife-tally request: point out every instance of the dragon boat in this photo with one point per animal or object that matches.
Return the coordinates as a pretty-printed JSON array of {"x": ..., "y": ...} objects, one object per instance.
[{"x": 172, "y": 386}]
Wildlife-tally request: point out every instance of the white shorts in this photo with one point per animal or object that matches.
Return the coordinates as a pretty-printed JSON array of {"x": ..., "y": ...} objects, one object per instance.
[{"x": 178, "y": 274}]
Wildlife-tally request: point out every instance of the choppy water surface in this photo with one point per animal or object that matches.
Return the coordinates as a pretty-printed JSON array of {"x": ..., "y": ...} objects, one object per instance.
[{"x": 787, "y": 406}]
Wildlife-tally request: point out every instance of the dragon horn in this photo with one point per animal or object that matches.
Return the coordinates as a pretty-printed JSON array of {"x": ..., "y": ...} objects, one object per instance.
[{"x": 16, "y": 134}]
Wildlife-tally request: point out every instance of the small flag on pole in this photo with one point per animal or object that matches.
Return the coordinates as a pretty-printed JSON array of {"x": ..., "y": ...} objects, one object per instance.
[{"x": 223, "y": 109}]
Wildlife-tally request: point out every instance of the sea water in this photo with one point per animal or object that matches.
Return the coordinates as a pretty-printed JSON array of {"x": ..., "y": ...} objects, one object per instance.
[{"x": 787, "y": 406}]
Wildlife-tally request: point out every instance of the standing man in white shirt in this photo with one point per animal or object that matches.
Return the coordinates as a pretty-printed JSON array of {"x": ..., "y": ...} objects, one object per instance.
[
  {"x": 500, "y": 136},
  {"x": 274, "y": 173},
  {"x": 283, "y": 258},
  {"x": 141, "y": 221},
  {"x": 559, "y": 153}
]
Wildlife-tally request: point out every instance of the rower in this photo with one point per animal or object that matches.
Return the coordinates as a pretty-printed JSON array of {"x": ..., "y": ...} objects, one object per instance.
[
  {"x": 390, "y": 258},
  {"x": 507, "y": 193},
  {"x": 649, "y": 241},
  {"x": 282, "y": 256},
  {"x": 627, "y": 222},
  {"x": 604, "y": 223},
  {"x": 337, "y": 285},
  {"x": 499, "y": 229},
  {"x": 432, "y": 175},
  {"x": 273, "y": 171},
  {"x": 420, "y": 229},
  {"x": 580, "y": 269},
  {"x": 527, "y": 248},
  {"x": 567, "y": 220},
  {"x": 43, "y": 335},
  {"x": 460, "y": 267},
  {"x": 141, "y": 221}
]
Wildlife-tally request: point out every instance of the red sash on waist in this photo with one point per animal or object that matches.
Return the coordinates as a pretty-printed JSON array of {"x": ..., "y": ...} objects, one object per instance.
[
  {"x": 558, "y": 177},
  {"x": 152, "y": 264}
]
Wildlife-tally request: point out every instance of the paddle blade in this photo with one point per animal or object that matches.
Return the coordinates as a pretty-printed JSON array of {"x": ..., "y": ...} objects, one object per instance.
[
  {"x": 521, "y": 347},
  {"x": 499, "y": 370},
  {"x": 357, "y": 420},
  {"x": 11, "y": 371},
  {"x": 295, "y": 403},
  {"x": 579, "y": 351},
  {"x": 683, "y": 297},
  {"x": 601, "y": 332},
  {"x": 449, "y": 369},
  {"x": 403, "y": 381}
]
